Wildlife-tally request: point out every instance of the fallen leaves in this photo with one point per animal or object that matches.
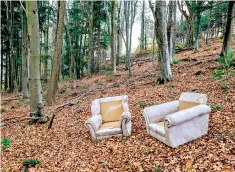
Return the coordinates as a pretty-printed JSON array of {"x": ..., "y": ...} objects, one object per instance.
[{"x": 67, "y": 146}]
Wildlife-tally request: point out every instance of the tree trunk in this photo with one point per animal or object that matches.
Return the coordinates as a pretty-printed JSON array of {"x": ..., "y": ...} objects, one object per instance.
[
  {"x": 99, "y": 48},
  {"x": 227, "y": 43},
  {"x": 36, "y": 107},
  {"x": 53, "y": 84},
  {"x": 113, "y": 36},
  {"x": 161, "y": 36},
  {"x": 90, "y": 39},
  {"x": 190, "y": 26},
  {"x": 198, "y": 23},
  {"x": 24, "y": 57},
  {"x": 142, "y": 28},
  {"x": 153, "y": 55},
  {"x": 170, "y": 28},
  {"x": 126, "y": 12}
]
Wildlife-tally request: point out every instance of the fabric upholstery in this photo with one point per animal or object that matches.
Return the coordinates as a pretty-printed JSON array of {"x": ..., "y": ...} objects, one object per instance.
[
  {"x": 95, "y": 121},
  {"x": 185, "y": 105},
  {"x": 193, "y": 97},
  {"x": 157, "y": 113},
  {"x": 187, "y": 114},
  {"x": 125, "y": 121},
  {"x": 158, "y": 128},
  {"x": 111, "y": 111},
  {"x": 95, "y": 107},
  {"x": 110, "y": 118},
  {"x": 115, "y": 124},
  {"x": 188, "y": 130},
  {"x": 181, "y": 126},
  {"x": 108, "y": 131}
]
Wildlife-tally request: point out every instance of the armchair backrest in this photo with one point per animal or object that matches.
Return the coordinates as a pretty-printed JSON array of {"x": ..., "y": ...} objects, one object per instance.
[
  {"x": 111, "y": 108},
  {"x": 188, "y": 100}
]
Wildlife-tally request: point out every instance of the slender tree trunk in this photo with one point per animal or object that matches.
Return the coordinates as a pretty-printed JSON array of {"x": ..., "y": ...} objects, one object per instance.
[
  {"x": 170, "y": 28},
  {"x": 90, "y": 38},
  {"x": 126, "y": 12},
  {"x": 36, "y": 107},
  {"x": 11, "y": 60},
  {"x": 142, "y": 27},
  {"x": 153, "y": 55},
  {"x": 2, "y": 66},
  {"x": 227, "y": 43},
  {"x": 198, "y": 23},
  {"x": 99, "y": 48},
  {"x": 161, "y": 36},
  {"x": 24, "y": 57},
  {"x": 53, "y": 84},
  {"x": 113, "y": 36}
]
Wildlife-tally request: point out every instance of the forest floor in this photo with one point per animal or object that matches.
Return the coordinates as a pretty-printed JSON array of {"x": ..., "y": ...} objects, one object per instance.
[{"x": 67, "y": 146}]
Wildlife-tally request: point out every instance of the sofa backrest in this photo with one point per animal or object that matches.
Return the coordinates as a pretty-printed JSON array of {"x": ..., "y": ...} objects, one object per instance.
[
  {"x": 111, "y": 108},
  {"x": 188, "y": 100}
]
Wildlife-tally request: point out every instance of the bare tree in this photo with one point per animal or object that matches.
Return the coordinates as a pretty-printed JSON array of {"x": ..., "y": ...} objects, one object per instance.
[
  {"x": 161, "y": 36},
  {"x": 36, "y": 107},
  {"x": 227, "y": 43},
  {"x": 53, "y": 84}
]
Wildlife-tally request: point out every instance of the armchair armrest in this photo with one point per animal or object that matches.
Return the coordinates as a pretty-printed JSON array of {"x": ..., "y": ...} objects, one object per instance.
[
  {"x": 187, "y": 114},
  {"x": 157, "y": 113},
  {"x": 95, "y": 122},
  {"x": 125, "y": 121}
]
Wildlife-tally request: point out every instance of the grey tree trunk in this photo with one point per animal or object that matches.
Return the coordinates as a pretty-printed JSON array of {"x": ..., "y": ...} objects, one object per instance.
[
  {"x": 171, "y": 28},
  {"x": 198, "y": 23},
  {"x": 161, "y": 36},
  {"x": 24, "y": 57},
  {"x": 91, "y": 14},
  {"x": 113, "y": 38},
  {"x": 227, "y": 43},
  {"x": 126, "y": 13},
  {"x": 142, "y": 27},
  {"x": 36, "y": 107},
  {"x": 53, "y": 83}
]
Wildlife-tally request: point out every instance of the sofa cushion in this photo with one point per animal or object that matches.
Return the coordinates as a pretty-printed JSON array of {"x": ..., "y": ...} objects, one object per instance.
[
  {"x": 186, "y": 105},
  {"x": 109, "y": 128},
  {"x": 158, "y": 128},
  {"x": 111, "y": 111}
]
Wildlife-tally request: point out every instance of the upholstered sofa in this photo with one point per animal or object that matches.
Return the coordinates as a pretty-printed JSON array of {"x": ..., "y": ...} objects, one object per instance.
[
  {"x": 110, "y": 117},
  {"x": 180, "y": 121}
]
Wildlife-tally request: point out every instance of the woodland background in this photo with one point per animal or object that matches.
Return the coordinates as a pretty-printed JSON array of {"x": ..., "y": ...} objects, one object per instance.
[{"x": 58, "y": 56}]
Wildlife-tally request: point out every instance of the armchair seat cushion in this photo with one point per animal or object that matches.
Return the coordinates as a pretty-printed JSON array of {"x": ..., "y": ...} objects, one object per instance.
[
  {"x": 158, "y": 128},
  {"x": 109, "y": 128}
]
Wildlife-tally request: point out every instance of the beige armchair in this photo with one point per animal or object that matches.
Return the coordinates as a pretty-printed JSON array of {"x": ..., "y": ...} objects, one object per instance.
[
  {"x": 110, "y": 117},
  {"x": 178, "y": 122}
]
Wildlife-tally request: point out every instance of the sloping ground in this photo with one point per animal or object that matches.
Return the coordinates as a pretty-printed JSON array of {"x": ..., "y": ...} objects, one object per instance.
[{"x": 67, "y": 146}]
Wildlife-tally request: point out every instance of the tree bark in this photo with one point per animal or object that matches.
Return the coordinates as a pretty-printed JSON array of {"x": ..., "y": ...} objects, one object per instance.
[
  {"x": 113, "y": 38},
  {"x": 227, "y": 43},
  {"x": 90, "y": 35},
  {"x": 161, "y": 36},
  {"x": 36, "y": 107},
  {"x": 142, "y": 28},
  {"x": 126, "y": 13},
  {"x": 198, "y": 23},
  {"x": 53, "y": 84},
  {"x": 24, "y": 58},
  {"x": 170, "y": 28}
]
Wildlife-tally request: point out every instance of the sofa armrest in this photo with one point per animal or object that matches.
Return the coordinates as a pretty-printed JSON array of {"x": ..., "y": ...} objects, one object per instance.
[
  {"x": 95, "y": 107},
  {"x": 157, "y": 113},
  {"x": 95, "y": 122},
  {"x": 187, "y": 114},
  {"x": 125, "y": 121}
]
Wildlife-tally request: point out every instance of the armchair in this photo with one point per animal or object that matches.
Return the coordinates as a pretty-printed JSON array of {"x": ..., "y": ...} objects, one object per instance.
[
  {"x": 178, "y": 122},
  {"x": 110, "y": 117}
]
